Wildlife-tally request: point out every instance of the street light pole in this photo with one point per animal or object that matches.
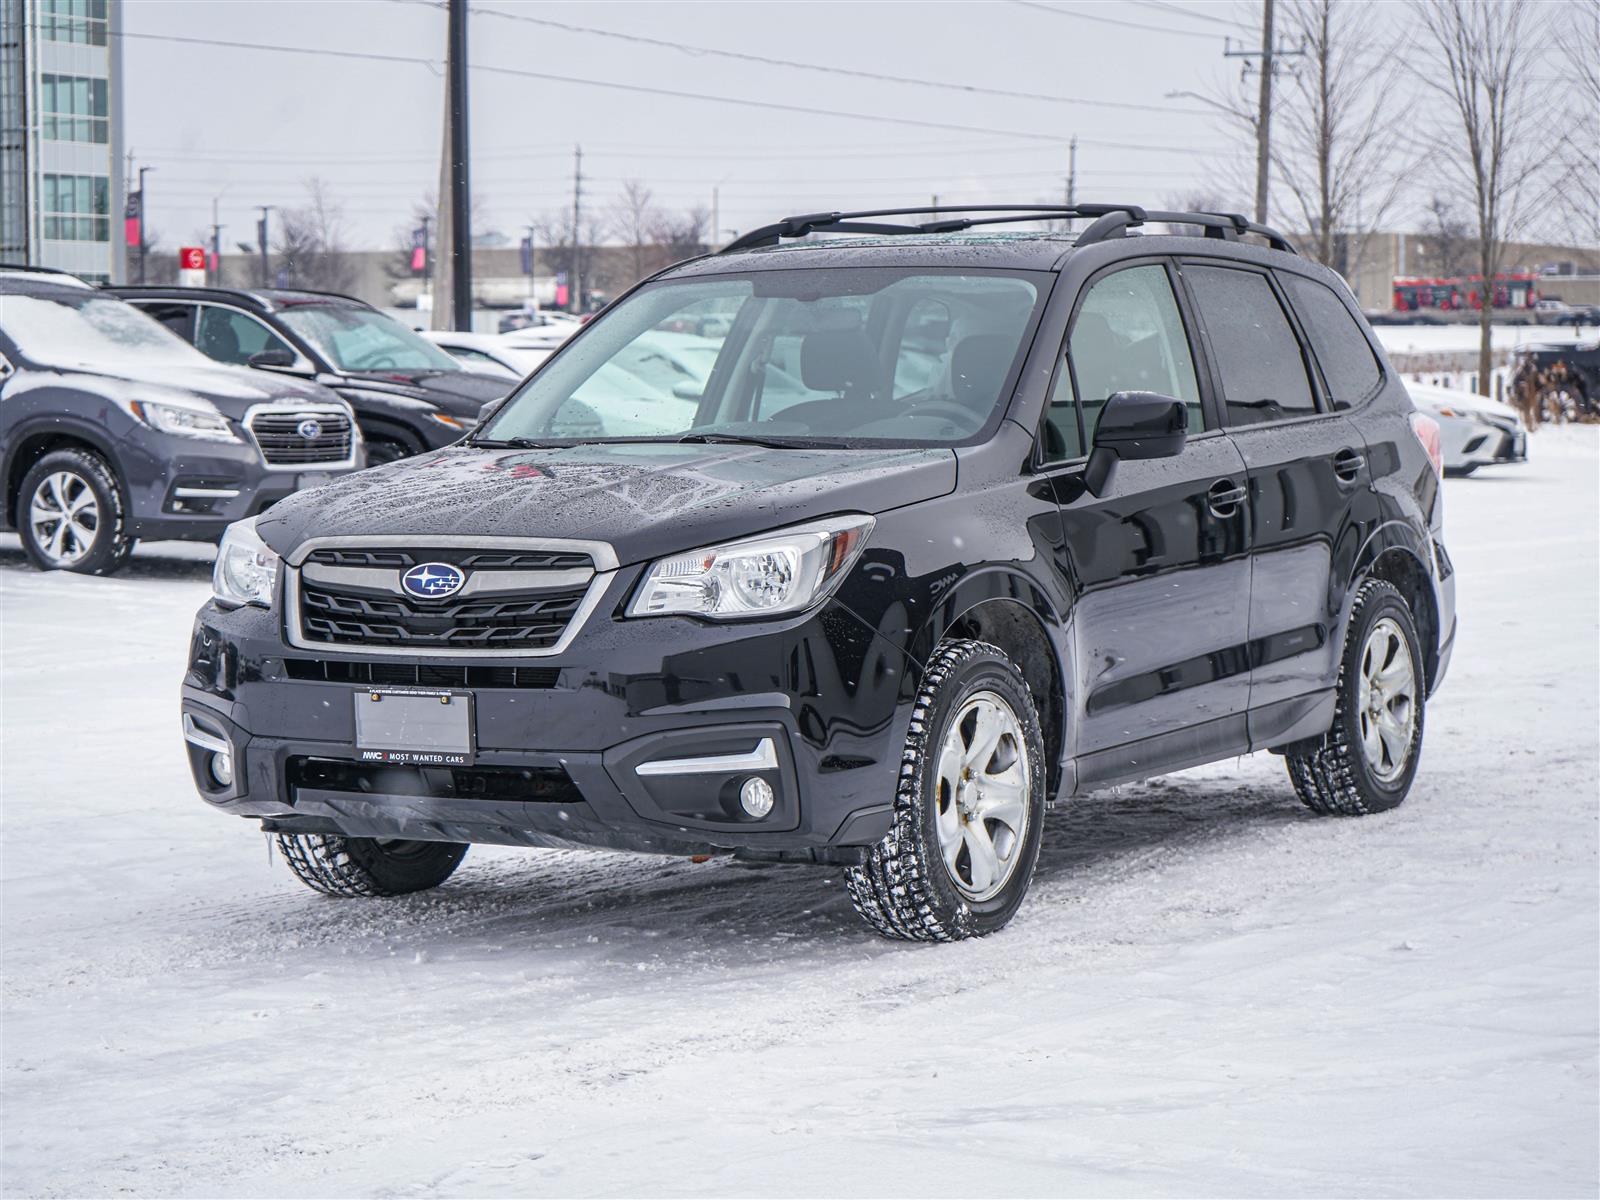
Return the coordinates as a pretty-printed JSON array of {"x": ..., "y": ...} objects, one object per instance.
[
  {"x": 261, "y": 233},
  {"x": 460, "y": 189},
  {"x": 144, "y": 224}
]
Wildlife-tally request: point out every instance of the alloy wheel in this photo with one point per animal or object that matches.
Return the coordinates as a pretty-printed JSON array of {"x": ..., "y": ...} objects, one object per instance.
[
  {"x": 1387, "y": 700},
  {"x": 65, "y": 518},
  {"x": 982, "y": 815}
]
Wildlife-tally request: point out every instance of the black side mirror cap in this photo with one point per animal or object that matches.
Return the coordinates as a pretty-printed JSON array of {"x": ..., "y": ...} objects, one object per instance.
[
  {"x": 272, "y": 359},
  {"x": 1135, "y": 425}
]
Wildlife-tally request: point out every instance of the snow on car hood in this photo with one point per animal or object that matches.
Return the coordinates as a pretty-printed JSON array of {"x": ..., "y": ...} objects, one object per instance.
[
  {"x": 644, "y": 498},
  {"x": 234, "y": 390}
]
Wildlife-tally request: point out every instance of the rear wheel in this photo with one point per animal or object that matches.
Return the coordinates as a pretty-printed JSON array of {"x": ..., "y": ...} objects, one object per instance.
[
  {"x": 350, "y": 866},
  {"x": 1366, "y": 761},
  {"x": 70, "y": 514},
  {"x": 969, "y": 806}
]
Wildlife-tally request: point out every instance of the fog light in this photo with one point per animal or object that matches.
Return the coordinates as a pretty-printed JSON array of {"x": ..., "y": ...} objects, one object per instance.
[
  {"x": 222, "y": 768},
  {"x": 755, "y": 796}
]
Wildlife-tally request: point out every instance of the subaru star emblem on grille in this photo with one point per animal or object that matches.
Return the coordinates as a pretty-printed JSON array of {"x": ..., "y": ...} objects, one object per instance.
[
  {"x": 309, "y": 428},
  {"x": 433, "y": 581}
]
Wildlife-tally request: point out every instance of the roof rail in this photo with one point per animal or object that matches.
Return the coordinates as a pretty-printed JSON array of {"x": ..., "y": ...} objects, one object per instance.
[
  {"x": 66, "y": 277},
  {"x": 1109, "y": 221}
]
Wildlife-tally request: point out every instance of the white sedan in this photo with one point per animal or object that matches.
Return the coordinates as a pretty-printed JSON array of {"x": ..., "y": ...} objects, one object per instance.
[
  {"x": 488, "y": 353},
  {"x": 1474, "y": 430}
]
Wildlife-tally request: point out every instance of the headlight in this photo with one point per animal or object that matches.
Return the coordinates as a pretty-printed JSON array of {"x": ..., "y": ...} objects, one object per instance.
[
  {"x": 206, "y": 423},
  {"x": 246, "y": 569},
  {"x": 780, "y": 572}
]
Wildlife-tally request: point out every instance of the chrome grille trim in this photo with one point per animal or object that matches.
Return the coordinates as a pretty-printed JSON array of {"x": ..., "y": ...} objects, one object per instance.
[
  {"x": 340, "y": 442},
  {"x": 601, "y": 554}
]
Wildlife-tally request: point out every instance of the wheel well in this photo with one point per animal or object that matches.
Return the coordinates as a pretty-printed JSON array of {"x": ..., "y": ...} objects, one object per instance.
[
  {"x": 1011, "y": 627},
  {"x": 1410, "y": 578},
  {"x": 31, "y": 451}
]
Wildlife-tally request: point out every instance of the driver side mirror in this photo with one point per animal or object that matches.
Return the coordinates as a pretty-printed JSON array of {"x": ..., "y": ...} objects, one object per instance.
[
  {"x": 277, "y": 359},
  {"x": 1135, "y": 425}
]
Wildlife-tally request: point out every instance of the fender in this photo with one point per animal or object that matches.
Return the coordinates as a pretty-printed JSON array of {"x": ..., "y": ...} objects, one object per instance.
[
  {"x": 1399, "y": 536},
  {"x": 62, "y": 425}
]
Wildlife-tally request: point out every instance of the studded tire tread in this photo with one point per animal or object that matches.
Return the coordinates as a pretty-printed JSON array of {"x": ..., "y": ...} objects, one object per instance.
[{"x": 344, "y": 866}]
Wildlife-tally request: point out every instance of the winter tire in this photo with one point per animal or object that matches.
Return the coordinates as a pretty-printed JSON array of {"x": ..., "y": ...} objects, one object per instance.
[
  {"x": 386, "y": 450},
  {"x": 70, "y": 514},
  {"x": 968, "y": 807},
  {"x": 1365, "y": 763},
  {"x": 352, "y": 866}
]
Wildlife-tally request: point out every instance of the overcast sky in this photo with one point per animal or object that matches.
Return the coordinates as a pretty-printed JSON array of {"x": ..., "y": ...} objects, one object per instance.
[{"x": 250, "y": 126}]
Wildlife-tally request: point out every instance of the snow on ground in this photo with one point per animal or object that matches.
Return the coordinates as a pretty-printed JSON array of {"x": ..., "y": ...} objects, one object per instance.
[
  {"x": 1456, "y": 338},
  {"x": 1209, "y": 991}
]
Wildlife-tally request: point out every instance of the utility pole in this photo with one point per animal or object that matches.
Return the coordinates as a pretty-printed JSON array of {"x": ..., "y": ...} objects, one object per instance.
[
  {"x": 716, "y": 218},
  {"x": 1072, "y": 178},
  {"x": 144, "y": 226},
  {"x": 1269, "y": 56},
  {"x": 261, "y": 242},
  {"x": 532, "y": 271},
  {"x": 216, "y": 244},
  {"x": 935, "y": 208},
  {"x": 576, "y": 298},
  {"x": 460, "y": 185}
]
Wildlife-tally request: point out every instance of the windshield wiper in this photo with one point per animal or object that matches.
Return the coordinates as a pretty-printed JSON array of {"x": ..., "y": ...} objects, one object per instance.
[
  {"x": 514, "y": 443},
  {"x": 742, "y": 439}
]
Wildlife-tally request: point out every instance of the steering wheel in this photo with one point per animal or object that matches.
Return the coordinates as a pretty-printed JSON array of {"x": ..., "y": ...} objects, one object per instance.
[
  {"x": 379, "y": 363},
  {"x": 950, "y": 409}
]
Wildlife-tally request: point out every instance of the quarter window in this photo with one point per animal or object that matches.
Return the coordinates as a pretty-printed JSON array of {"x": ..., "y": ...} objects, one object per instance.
[
  {"x": 1129, "y": 337},
  {"x": 1348, "y": 363},
  {"x": 1257, "y": 354}
]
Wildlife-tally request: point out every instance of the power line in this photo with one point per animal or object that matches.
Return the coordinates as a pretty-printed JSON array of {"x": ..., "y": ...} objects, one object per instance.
[
  {"x": 767, "y": 61},
  {"x": 614, "y": 85},
  {"x": 1076, "y": 14},
  {"x": 1163, "y": 6}
]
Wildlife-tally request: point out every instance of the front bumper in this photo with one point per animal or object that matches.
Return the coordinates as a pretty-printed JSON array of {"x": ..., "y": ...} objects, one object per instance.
[
  {"x": 558, "y": 754},
  {"x": 183, "y": 489}
]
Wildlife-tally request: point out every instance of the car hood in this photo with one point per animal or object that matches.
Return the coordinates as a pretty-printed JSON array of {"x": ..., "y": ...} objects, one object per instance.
[
  {"x": 234, "y": 390},
  {"x": 459, "y": 393},
  {"x": 644, "y": 499}
]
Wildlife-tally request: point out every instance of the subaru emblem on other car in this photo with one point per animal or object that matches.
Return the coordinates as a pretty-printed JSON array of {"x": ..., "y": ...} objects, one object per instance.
[
  {"x": 433, "y": 581},
  {"x": 309, "y": 428}
]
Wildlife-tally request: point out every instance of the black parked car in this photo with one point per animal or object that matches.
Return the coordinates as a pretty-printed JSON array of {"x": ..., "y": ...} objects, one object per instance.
[
  {"x": 408, "y": 395},
  {"x": 112, "y": 430},
  {"x": 961, "y": 523}
]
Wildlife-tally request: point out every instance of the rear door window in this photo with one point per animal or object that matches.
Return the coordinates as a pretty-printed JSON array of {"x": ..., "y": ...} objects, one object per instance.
[
  {"x": 1253, "y": 346},
  {"x": 1349, "y": 367},
  {"x": 175, "y": 316}
]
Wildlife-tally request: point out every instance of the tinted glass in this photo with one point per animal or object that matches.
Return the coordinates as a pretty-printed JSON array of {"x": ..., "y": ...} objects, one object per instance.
[
  {"x": 1257, "y": 354},
  {"x": 1129, "y": 337},
  {"x": 360, "y": 339},
  {"x": 232, "y": 337},
  {"x": 1348, "y": 364},
  {"x": 834, "y": 356}
]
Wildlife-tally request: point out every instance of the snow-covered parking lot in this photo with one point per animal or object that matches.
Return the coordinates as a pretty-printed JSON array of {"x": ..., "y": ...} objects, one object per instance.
[{"x": 1210, "y": 991}]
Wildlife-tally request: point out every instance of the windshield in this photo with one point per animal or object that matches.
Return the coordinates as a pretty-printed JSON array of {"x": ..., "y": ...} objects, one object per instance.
[
  {"x": 359, "y": 339},
  {"x": 67, "y": 329},
  {"x": 839, "y": 356}
]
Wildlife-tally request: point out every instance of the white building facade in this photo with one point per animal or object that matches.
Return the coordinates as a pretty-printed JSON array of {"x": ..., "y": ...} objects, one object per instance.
[{"x": 61, "y": 188}]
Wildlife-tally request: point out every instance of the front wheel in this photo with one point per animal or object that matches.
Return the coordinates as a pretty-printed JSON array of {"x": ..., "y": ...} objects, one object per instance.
[
  {"x": 1365, "y": 763},
  {"x": 969, "y": 806},
  {"x": 72, "y": 517},
  {"x": 351, "y": 866}
]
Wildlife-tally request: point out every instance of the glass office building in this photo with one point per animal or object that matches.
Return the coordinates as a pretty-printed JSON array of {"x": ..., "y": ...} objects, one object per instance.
[{"x": 61, "y": 188}]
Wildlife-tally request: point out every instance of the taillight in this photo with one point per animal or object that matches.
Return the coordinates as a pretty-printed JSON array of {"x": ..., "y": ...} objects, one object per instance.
[{"x": 1427, "y": 431}]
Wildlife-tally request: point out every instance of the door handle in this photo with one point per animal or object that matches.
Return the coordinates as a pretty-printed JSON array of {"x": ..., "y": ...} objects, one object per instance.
[
  {"x": 1224, "y": 497},
  {"x": 1347, "y": 465}
]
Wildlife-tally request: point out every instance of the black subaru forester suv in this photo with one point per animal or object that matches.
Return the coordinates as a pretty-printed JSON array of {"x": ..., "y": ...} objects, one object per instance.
[{"x": 960, "y": 523}]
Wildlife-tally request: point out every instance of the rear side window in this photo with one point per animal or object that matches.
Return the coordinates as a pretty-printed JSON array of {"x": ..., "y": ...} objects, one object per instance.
[
  {"x": 1256, "y": 352},
  {"x": 1348, "y": 364}
]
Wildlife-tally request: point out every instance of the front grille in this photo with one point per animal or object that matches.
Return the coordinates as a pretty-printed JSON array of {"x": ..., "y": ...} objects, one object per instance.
[
  {"x": 514, "y": 600},
  {"x": 420, "y": 674},
  {"x": 283, "y": 444},
  {"x": 538, "y": 785}
]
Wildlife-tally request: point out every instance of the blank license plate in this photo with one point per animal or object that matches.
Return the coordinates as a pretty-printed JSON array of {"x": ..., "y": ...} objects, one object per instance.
[{"x": 414, "y": 727}]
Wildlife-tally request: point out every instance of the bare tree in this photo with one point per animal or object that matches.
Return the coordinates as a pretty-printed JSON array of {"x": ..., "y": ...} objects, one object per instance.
[
  {"x": 311, "y": 250},
  {"x": 635, "y": 217},
  {"x": 684, "y": 234},
  {"x": 1574, "y": 195},
  {"x": 1450, "y": 238},
  {"x": 1484, "y": 56},
  {"x": 1339, "y": 128}
]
